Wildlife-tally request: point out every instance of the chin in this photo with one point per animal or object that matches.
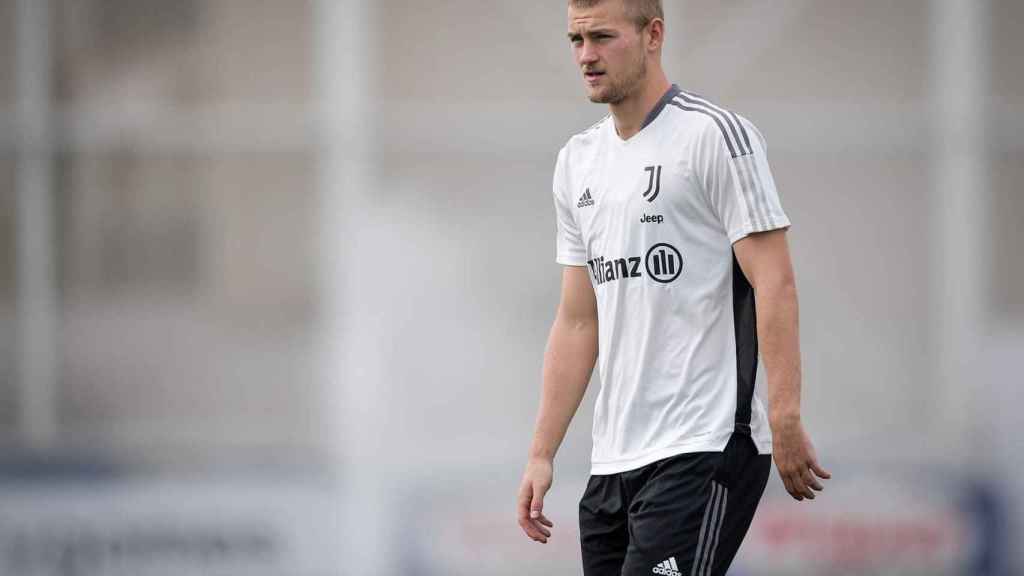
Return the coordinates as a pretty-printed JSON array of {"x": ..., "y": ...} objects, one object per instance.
[{"x": 598, "y": 96}]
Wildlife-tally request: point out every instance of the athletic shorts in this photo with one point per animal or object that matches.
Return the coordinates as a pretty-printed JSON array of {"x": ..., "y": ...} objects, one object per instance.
[{"x": 681, "y": 516}]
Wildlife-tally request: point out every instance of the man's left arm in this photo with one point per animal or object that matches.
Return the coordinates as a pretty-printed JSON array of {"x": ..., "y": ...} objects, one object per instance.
[{"x": 765, "y": 261}]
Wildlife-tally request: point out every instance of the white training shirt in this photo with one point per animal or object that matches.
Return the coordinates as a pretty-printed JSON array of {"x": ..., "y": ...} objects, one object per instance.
[{"x": 653, "y": 219}]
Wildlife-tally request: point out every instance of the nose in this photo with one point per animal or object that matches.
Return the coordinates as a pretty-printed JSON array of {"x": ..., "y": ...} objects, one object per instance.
[{"x": 587, "y": 53}]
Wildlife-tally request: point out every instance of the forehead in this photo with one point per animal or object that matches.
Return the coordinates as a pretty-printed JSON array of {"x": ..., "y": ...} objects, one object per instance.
[{"x": 606, "y": 14}]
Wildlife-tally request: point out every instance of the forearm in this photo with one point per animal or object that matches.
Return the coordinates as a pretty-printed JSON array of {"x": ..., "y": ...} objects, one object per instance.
[
  {"x": 778, "y": 328},
  {"x": 765, "y": 261},
  {"x": 568, "y": 363}
]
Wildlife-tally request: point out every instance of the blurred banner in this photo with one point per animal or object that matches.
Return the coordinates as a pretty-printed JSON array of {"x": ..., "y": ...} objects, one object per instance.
[
  {"x": 868, "y": 522},
  {"x": 878, "y": 523},
  {"x": 241, "y": 526}
]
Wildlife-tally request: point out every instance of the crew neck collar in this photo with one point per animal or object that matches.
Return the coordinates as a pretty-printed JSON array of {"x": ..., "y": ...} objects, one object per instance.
[{"x": 673, "y": 91}]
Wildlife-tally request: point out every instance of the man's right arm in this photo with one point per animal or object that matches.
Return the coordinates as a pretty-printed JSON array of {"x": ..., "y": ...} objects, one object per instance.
[{"x": 568, "y": 363}]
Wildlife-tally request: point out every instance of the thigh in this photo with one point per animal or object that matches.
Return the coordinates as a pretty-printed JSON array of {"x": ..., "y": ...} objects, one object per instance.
[
  {"x": 667, "y": 515},
  {"x": 744, "y": 475},
  {"x": 604, "y": 536},
  {"x": 692, "y": 514}
]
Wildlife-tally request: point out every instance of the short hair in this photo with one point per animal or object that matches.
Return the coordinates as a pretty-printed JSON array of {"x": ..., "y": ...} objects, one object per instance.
[{"x": 641, "y": 12}]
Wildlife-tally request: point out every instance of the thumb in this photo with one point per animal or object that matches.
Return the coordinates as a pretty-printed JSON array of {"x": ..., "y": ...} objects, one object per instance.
[{"x": 537, "y": 505}]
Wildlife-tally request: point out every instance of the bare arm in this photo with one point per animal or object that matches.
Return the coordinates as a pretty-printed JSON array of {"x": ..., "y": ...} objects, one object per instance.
[
  {"x": 765, "y": 261},
  {"x": 568, "y": 364}
]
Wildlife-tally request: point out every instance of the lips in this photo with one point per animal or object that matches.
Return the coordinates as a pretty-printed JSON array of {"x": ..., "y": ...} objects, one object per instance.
[{"x": 592, "y": 76}]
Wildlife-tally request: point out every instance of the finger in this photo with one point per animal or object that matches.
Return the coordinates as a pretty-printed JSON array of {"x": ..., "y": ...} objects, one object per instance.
[
  {"x": 535, "y": 532},
  {"x": 542, "y": 530},
  {"x": 821, "y": 472},
  {"x": 811, "y": 481},
  {"x": 786, "y": 476},
  {"x": 789, "y": 486},
  {"x": 801, "y": 485},
  {"x": 530, "y": 530},
  {"x": 798, "y": 485},
  {"x": 542, "y": 524},
  {"x": 807, "y": 491},
  {"x": 523, "y": 512},
  {"x": 538, "y": 532}
]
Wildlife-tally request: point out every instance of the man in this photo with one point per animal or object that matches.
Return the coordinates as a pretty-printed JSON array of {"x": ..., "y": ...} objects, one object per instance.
[{"x": 670, "y": 228}]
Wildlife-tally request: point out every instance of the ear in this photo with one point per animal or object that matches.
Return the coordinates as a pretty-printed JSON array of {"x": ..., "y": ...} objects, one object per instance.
[{"x": 655, "y": 34}]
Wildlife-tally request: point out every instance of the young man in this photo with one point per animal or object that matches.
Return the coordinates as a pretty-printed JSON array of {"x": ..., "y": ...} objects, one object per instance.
[{"x": 670, "y": 229}]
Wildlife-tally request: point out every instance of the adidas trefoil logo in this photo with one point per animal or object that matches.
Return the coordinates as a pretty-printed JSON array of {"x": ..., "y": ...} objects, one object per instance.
[
  {"x": 668, "y": 568},
  {"x": 585, "y": 200}
]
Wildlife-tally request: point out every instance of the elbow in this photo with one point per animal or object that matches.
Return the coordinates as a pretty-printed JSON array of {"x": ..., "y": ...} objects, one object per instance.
[
  {"x": 581, "y": 323},
  {"x": 578, "y": 322},
  {"x": 779, "y": 287}
]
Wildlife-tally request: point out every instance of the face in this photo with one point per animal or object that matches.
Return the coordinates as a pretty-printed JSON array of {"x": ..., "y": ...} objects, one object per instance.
[{"x": 609, "y": 50}]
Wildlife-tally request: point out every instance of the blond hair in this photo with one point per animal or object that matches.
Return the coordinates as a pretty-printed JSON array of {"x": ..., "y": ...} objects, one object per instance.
[{"x": 641, "y": 12}]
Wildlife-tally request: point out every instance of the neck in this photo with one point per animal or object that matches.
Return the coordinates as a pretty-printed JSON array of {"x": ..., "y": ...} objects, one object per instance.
[{"x": 630, "y": 113}]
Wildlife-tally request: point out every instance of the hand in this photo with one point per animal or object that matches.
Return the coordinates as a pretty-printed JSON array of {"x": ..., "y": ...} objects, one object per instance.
[
  {"x": 536, "y": 482},
  {"x": 796, "y": 460}
]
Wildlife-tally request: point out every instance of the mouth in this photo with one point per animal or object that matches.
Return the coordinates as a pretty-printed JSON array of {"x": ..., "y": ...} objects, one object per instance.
[{"x": 593, "y": 76}]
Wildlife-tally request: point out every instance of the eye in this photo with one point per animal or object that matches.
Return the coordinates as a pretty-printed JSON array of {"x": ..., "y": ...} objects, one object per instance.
[{"x": 576, "y": 40}]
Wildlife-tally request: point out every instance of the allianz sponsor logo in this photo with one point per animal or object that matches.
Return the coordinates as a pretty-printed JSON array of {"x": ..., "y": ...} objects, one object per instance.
[
  {"x": 610, "y": 270},
  {"x": 663, "y": 263}
]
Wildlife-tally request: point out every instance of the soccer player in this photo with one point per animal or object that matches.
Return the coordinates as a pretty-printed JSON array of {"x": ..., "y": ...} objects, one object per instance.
[{"x": 677, "y": 272}]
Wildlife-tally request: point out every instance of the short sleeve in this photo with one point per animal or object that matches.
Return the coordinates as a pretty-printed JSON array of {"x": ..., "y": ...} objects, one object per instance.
[
  {"x": 733, "y": 167},
  {"x": 570, "y": 250}
]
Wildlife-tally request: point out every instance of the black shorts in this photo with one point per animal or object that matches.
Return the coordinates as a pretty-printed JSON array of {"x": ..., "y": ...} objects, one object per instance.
[{"x": 681, "y": 516}]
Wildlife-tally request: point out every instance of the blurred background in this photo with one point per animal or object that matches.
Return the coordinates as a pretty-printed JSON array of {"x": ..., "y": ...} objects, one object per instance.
[{"x": 276, "y": 278}]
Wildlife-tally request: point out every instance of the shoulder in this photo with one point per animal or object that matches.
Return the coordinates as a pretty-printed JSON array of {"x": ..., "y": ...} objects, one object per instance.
[
  {"x": 588, "y": 138},
  {"x": 582, "y": 146},
  {"x": 590, "y": 133},
  {"x": 715, "y": 125}
]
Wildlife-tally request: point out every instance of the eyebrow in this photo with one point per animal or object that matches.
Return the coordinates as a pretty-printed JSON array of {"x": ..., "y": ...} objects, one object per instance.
[{"x": 591, "y": 32}]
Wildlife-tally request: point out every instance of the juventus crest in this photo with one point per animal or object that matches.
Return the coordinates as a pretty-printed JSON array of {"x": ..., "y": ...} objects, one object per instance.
[{"x": 653, "y": 183}]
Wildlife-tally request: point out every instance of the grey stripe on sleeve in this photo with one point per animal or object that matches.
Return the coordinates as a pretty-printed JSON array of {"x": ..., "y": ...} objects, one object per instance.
[
  {"x": 758, "y": 191},
  {"x": 748, "y": 187},
  {"x": 746, "y": 137},
  {"x": 713, "y": 116},
  {"x": 729, "y": 119}
]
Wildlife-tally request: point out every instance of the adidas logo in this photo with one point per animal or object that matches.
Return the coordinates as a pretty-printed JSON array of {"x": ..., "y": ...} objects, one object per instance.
[
  {"x": 668, "y": 568},
  {"x": 585, "y": 200}
]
